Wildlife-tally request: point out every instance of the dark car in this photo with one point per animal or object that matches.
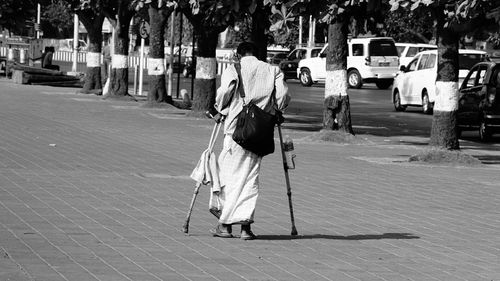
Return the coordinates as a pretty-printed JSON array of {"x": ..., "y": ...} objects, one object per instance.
[
  {"x": 290, "y": 64},
  {"x": 276, "y": 57},
  {"x": 479, "y": 100}
]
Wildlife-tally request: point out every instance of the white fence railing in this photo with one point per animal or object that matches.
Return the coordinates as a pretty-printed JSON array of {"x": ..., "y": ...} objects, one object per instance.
[{"x": 133, "y": 60}]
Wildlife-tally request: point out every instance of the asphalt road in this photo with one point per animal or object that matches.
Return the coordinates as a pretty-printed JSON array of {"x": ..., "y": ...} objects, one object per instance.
[{"x": 372, "y": 111}]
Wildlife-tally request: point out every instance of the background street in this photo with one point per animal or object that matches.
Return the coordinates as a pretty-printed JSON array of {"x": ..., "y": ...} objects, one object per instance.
[{"x": 92, "y": 189}]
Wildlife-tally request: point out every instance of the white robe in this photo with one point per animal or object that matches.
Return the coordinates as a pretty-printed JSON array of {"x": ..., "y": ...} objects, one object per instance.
[{"x": 239, "y": 168}]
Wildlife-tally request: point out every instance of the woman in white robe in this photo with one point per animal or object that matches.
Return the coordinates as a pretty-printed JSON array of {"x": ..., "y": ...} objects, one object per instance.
[{"x": 239, "y": 168}]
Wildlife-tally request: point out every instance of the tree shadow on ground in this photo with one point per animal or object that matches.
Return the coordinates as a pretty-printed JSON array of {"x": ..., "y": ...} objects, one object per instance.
[{"x": 341, "y": 237}]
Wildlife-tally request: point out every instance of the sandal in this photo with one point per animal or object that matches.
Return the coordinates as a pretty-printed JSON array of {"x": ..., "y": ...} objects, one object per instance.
[
  {"x": 217, "y": 232},
  {"x": 247, "y": 235}
]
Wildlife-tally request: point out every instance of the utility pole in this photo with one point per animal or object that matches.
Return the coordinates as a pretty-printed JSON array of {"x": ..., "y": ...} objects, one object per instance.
[
  {"x": 38, "y": 17},
  {"x": 310, "y": 41},
  {"x": 171, "y": 58},
  {"x": 75, "y": 43},
  {"x": 300, "y": 30}
]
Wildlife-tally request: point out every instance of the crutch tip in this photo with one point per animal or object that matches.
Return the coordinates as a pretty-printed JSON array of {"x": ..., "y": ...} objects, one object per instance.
[{"x": 185, "y": 229}]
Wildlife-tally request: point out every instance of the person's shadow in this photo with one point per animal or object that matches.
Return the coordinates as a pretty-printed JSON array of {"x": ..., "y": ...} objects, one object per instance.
[{"x": 340, "y": 237}]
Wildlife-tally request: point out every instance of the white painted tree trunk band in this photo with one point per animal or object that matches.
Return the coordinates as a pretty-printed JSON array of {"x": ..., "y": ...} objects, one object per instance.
[
  {"x": 119, "y": 61},
  {"x": 446, "y": 96},
  {"x": 206, "y": 68},
  {"x": 93, "y": 59},
  {"x": 336, "y": 83},
  {"x": 156, "y": 66}
]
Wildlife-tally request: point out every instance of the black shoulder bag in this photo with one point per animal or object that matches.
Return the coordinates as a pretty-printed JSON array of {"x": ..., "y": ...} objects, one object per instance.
[{"x": 254, "y": 127}]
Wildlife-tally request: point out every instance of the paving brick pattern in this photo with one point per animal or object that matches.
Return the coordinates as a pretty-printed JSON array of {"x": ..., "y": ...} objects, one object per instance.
[{"x": 98, "y": 190}]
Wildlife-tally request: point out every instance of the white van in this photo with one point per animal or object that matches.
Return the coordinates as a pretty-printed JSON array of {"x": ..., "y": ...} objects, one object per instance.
[{"x": 369, "y": 60}]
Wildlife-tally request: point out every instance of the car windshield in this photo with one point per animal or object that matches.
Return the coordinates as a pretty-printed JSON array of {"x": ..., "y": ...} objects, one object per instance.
[
  {"x": 383, "y": 48},
  {"x": 467, "y": 61}
]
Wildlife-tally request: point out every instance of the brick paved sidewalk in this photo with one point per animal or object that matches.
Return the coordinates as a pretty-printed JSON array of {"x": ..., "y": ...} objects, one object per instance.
[{"x": 98, "y": 190}]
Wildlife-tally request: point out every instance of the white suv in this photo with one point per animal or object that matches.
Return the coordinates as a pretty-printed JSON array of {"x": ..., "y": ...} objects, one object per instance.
[
  {"x": 408, "y": 50},
  {"x": 415, "y": 84},
  {"x": 369, "y": 60}
]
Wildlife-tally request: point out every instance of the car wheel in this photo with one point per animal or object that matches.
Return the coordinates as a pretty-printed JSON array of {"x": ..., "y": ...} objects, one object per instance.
[
  {"x": 484, "y": 132},
  {"x": 383, "y": 84},
  {"x": 354, "y": 79},
  {"x": 397, "y": 102},
  {"x": 305, "y": 77},
  {"x": 426, "y": 104}
]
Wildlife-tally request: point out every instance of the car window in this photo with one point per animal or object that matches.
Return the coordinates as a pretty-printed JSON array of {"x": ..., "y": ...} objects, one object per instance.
[
  {"x": 293, "y": 55},
  {"x": 495, "y": 78},
  {"x": 412, "y": 51},
  {"x": 467, "y": 61},
  {"x": 357, "y": 49},
  {"x": 431, "y": 61},
  {"x": 423, "y": 61},
  {"x": 481, "y": 73},
  {"x": 301, "y": 54},
  {"x": 280, "y": 56},
  {"x": 412, "y": 65},
  {"x": 315, "y": 52},
  {"x": 470, "y": 80},
  {"x": 400, "y": 49},
  {"x": 382, "y": 48}
]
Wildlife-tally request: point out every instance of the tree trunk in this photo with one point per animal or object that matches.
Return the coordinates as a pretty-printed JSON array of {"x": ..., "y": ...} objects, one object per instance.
[
  {"x": 93, "y": 24},
  {"x": 156, "y": 61},
  {"x": 444, "y": 132},
  {"x": 206, "y": 70},
  {"x": 337, "y": 112},
  {"x": 119, "y": 62},
  {"x": 258, "y": 32}
]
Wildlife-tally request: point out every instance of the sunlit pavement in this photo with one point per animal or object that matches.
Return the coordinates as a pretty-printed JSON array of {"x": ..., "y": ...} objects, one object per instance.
[{"x": 92, "y": 189}]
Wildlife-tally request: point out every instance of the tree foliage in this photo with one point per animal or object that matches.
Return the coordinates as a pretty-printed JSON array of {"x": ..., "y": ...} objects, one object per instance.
[
  {"x": 57, "y": 19},
  {"x": 14, "y": 14},
  {"x": 410, "y": 26},
  {"x": 457, "y": 12}
]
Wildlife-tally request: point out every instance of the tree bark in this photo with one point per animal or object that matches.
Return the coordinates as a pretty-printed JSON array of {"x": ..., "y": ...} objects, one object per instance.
[
  {"x": 206, "y": 70},
  {"x": 337, "y": 112},
  {"x": 258, "y": 32},
  {"x": 444, "y": 132},
  {"x": 156, "y": 61},
  {"x": 93, "y": 24},
  {"x": 119, "y": 63}
]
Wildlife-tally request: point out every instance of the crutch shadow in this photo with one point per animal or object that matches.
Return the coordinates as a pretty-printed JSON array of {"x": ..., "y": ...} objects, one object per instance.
[{"x": 341, "y": 237}]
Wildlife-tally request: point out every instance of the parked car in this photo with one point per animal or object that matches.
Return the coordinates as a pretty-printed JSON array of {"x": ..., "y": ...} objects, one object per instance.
[
  {"x": 414, "y": 84},
  {"x": 408, "y": 50},
  {"x": 290, "y": 64},
  {"x": 479, "y": 100},
  {"x": 369, "y": 60},
  {"x": 276, "y": 57}
]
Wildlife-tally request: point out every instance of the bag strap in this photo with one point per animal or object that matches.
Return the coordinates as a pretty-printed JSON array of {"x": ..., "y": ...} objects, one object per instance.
[{"x": 237, "y": 66}]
